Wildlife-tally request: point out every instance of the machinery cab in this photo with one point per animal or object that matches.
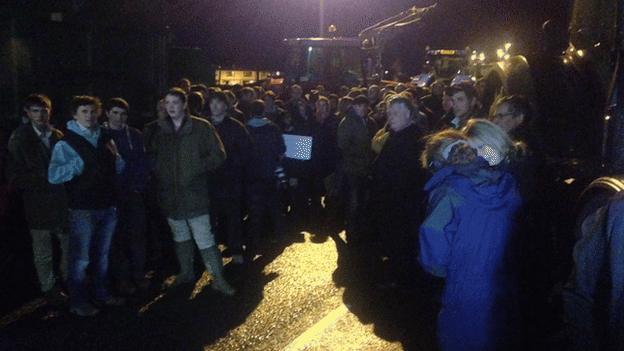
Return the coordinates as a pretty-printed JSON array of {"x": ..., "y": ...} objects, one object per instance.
[
  {"x": 446, "y": 63},
  {"x": 595, "y": 53},
  {"x": 330, "y": 61},
  {"x": 581, "y": 104},
  {"x": 580, "y": 121}
]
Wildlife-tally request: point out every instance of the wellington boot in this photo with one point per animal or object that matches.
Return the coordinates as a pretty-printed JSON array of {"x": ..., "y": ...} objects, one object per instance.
[
  {"x": 214, "y": 264},
  {"x": 185, "y": 253}
]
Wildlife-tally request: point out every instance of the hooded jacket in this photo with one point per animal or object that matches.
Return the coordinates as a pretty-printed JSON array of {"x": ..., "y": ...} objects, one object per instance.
[
  {"x": 268, "y": 148},
  {"x": 133, "y": 179},
  {"x": 182, "y": 161},
  {"x": 467, "y": 238}
]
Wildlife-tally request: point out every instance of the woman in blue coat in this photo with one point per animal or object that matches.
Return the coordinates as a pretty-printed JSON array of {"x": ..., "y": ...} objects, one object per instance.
[{"x": 467, "y": 239}]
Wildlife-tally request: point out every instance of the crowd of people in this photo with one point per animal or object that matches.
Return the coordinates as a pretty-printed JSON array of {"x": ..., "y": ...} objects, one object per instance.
[{"x": 420, "y": 178}]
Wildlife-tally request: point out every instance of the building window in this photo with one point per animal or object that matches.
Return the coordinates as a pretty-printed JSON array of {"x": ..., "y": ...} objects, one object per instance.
[
  {"x": 228, "y": 73},
  {"x": 248, "y": 74}
]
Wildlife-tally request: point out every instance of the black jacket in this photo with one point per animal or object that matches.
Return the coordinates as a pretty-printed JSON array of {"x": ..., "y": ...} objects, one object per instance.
[
  {"x": 325, "y": 152},
  {"x": 45, "y": 204},
  {"x": 433, "y": 103},
  {"x": 304, "y": 125},
  {"x": 398, "y": 179},
  {"x": 268, "y": 148},
  {"x": 229, "y": 177},
  {"x": 447, "y": 119},
  {"x": 94, "y": 188}
]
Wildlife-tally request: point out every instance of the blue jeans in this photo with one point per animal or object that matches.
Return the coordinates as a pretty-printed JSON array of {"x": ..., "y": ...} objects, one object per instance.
[
  {"x": 91, "y": 233},
  {"x": 129, "y": 243}
]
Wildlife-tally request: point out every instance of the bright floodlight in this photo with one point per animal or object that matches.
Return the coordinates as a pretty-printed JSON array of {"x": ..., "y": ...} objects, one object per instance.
[
  {"x": 500, "y": 53},
  {"x": 507, "y": 46}
]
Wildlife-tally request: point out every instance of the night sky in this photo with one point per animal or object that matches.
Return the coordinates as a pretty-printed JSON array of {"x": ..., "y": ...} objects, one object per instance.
[{"x": 248, "y": 33}]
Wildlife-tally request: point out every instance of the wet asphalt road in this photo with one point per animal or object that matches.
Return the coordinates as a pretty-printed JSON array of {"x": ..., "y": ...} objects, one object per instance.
[{"x": 308, "y": 293}]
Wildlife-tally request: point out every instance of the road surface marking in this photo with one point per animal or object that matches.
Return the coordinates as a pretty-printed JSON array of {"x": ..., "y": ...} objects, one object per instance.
[
  {"x": 314, "y": 332},
  {"x": 26, "y": 309}
]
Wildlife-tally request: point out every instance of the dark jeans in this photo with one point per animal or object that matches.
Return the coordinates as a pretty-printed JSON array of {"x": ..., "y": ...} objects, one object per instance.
[
  {"x": 264, "y": 202},
  {"x": 226, "y": 217},
  {"x": 302, "y": 195},
  {"x": 91, "y": 233},
  {"x": 318, "y": 191},
  {"x": 129, "y": 244},
  {"x": 160, "y": 251},
  {"x": 357, "y": 198},
  {"x": 334, "y": 210},
  {"x": 396, "y": 240}
]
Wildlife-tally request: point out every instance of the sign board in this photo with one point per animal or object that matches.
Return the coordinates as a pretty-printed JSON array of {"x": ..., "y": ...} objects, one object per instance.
[
  {"x": 298, "y": 147},
  {"x": 447, "y": 52}
]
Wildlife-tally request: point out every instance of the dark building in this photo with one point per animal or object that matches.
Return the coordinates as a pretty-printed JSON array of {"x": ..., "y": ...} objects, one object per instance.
[{"x": 69, "y": 47}]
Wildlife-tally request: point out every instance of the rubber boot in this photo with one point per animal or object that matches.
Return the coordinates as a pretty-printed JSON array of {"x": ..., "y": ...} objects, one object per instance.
[
  {"x": 214, "y": 264},
  {"x": 185, "y": 253}
]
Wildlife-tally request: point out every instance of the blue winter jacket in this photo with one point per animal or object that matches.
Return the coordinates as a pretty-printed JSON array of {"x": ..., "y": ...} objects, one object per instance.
[
  {"x": 467, "y": 238},
  {"x": 593, "y": 298}
]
